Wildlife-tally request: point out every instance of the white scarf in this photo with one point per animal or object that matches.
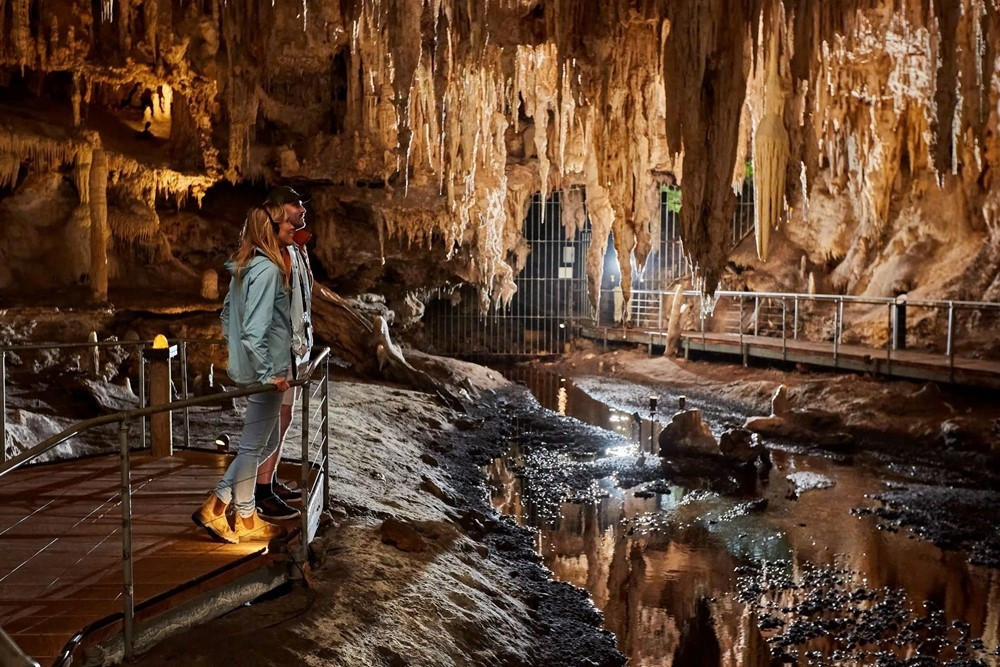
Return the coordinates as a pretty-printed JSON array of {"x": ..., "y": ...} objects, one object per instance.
[{"x": 301, "y": 280}]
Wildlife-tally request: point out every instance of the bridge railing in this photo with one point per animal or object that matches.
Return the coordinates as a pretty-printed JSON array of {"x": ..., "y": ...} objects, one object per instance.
[
  {"x": 311, "y": 491},
  {"x": 93, "y": 349},
  {"x": 950, "y": 328}
]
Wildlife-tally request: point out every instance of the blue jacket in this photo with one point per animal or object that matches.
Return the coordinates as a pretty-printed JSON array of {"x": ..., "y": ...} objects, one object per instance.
[{"x": 256, "y": 323}]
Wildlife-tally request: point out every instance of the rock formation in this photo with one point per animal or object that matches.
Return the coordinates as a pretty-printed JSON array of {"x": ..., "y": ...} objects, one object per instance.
[{"x": 423, "y": 127}]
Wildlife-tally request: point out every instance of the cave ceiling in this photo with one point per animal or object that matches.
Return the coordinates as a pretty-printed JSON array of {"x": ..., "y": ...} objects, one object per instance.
[{"x": 431, "y": 123}]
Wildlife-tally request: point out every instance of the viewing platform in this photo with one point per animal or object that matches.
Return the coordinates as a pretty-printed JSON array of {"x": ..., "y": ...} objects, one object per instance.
[{"x": 60, "y": 530}]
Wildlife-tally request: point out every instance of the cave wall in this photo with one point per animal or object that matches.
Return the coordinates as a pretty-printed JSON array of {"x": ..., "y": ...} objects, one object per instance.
[{"x": 423, "y": 127}]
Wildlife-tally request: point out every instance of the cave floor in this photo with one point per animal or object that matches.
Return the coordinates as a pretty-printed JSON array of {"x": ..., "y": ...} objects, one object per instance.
[{"x": 675, "y": 560}]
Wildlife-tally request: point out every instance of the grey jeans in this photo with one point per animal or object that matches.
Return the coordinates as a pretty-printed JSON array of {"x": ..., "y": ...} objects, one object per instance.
[{"x": 259, "y": 440}]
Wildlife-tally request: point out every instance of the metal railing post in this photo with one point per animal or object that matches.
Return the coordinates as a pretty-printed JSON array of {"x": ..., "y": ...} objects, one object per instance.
[
  {"x": 304, "y": 472},
  {"x": 889, "y": 337},
  {"x": 703, "y": 323},
  {"x": 893, "y": 322},
  {"x": 739, "y": 323},
  {"x": 756, "y": 313},
  {"x": 836, "y": 336},
  {"x": 128, "y": 588},
  {"x": 795, "y": 318},
  {"x": 142, "y": 395},
  {"x": 326, "y": 434},
  {"x": 3, "y": 406},
  {"x": 951, "y": 341},
  {"x": 784, "y": 337},
  {"x": 184, "y": 390},
  {"x": 840, "y": 319}
]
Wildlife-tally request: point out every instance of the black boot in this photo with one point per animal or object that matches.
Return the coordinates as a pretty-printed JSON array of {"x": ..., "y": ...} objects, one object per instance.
[{"x": 271, "y": 507}]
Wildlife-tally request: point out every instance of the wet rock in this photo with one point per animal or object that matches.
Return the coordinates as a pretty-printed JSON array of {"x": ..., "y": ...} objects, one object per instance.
[
  {"x": 968, "y": 434},
  {"x": 756, "y": 506},
  {"x": 928, "y": 396},
  {"x": 103, "y": 396},
  {"x": 776, "y": 427},
  {"x": 402, "y": 535},
  {"x": 817, "y": 427},
  {"x": 429, "y": 460},
  {"x": 467, "y": 424},
  {"x": 741, "y": 445},
  {"x": 800, "y": 482},
  {"x": 780, "y": 404},
  {"x": 688, "y": 435},
  {"x": 815, "y": 420},
  {"x": 835, "y": 442},
  {"x": 430, "y": 486}
]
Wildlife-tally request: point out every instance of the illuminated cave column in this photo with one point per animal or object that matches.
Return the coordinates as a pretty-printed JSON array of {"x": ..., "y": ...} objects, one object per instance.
[{"x": 99, "y": 226}]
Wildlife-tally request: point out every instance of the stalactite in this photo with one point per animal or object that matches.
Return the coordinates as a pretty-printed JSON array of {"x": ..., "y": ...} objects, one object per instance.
[
  {"x": 10, "y": 166},
  {"x": 151, "y": 18},
  {"x": 770, "y": 156},
  {"x": 23, "y": 48},
  {"x": 81, "y": 172},
  {"x": 614, "y": 97}
]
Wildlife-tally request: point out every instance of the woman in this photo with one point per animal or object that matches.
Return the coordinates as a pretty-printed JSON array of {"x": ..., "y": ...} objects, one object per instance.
[{"x": 256, "y": 322}]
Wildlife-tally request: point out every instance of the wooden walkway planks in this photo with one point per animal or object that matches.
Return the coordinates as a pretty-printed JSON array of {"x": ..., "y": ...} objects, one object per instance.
[
  {"x": 60, "y": 541},
  {"x": 908, "y": 364}
]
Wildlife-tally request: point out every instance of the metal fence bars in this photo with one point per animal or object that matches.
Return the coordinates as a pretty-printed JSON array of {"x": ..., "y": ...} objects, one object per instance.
[
  {"x": 552, "y": 290},
  {"x": 551, "y": 293},
  {"x": 315, "y": 494},
  {"x": 93, "y": 350},
  {"x": 896, "y": 324}
]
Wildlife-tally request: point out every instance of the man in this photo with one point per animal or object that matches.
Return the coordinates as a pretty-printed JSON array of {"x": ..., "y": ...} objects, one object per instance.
[{"x": 271, "y": 494}]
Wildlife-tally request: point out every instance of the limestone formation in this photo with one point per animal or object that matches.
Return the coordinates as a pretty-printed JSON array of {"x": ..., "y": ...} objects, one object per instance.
[{"x": 430, "y": 124}]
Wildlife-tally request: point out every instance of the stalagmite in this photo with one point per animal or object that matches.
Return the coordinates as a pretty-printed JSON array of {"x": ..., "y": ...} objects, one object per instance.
[
  {"x": 99, "y": 234},
  {"x": 770, "y": 156},
  {"x": 210, "y": 284},
  {"x": 674, "y": 323}
]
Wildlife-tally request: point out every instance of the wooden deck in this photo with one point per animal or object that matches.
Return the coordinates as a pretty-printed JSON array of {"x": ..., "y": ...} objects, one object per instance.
[
  {"x": 907, "y": 364},
  {"x": 61, "y": 549}
]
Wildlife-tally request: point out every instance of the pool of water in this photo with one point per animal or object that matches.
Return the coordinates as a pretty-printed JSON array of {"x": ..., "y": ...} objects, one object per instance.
[{"x": 663, "y": 567}]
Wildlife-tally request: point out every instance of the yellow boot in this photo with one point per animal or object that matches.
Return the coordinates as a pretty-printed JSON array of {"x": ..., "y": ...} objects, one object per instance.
[
  {"x": 212, "y": 517},
  {"x": 255, "y": 529}
]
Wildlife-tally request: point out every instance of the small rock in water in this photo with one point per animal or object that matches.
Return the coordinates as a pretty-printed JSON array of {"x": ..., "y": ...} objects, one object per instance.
[
  {"x": 688, "y": 435},
  {"x": 800, "y": 482}
]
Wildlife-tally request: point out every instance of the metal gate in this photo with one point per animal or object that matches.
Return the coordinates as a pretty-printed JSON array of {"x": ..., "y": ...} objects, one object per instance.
[
  {"x": 551, "y": 294},
  {"x": 552, "y": 289}
]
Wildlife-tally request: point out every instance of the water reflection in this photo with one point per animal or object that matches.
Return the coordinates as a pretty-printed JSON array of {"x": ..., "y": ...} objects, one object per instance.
[{"x": 662, "y": 566}]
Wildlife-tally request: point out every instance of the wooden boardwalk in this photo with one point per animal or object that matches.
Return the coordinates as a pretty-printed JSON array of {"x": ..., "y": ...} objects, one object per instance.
[
  {"x": 907, "y": 364},
  {"x": 61, "y": 548}
]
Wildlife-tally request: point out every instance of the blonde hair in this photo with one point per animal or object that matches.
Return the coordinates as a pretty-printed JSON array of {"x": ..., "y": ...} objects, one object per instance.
[{"x": 259, "y": 234}]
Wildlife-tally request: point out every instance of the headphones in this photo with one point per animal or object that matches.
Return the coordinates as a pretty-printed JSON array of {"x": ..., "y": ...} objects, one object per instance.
[{"x": 274, "y": 225}]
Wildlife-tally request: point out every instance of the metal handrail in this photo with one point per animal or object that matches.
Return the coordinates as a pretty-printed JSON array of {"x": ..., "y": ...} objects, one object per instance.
[
  {"x": 646, "y": 304},
  {"x": 11, "y": 654},
  {"x": 124, "y": 418},
  {"x": 95, "y": 345},
  {"x": 127, "y": 415},
  {"x": 30, "y": 347}
]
